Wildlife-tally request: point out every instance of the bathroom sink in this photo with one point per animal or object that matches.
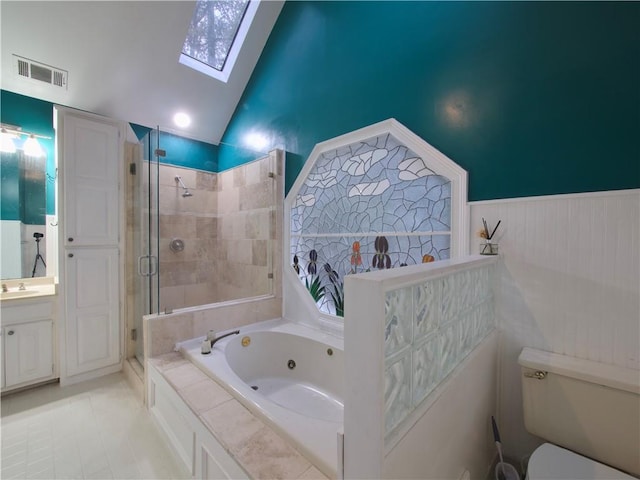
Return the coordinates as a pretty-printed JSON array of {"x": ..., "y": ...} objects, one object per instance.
[{"x": 17, "y": 294}]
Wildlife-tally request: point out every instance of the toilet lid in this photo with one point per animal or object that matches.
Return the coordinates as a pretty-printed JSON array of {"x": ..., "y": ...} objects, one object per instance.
[{"x": 550, "y": 462}]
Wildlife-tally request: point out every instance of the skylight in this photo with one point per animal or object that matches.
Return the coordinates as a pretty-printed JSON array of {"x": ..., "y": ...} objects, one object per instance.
[{"x": 216, "y": 33}]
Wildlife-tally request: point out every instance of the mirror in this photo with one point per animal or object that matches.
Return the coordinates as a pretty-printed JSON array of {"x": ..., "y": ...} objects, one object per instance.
[{"x": 23, "y": 215}]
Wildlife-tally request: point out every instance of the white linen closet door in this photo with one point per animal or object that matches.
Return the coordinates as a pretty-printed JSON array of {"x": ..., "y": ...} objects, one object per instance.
[
  {"x": 93, "y": 325},
  {"x": 91, "y": 161}
]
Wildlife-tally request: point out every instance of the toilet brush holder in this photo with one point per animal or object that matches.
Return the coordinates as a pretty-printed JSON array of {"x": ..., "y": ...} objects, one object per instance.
[{"x": 506, "y": 471}]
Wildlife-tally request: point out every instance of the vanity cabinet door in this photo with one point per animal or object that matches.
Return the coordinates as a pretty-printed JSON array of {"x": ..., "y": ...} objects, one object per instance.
[{"x": 28, "y": 350}]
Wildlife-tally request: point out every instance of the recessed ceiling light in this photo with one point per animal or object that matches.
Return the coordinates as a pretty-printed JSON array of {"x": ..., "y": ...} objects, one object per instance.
[{"x": 182, "y": 120}]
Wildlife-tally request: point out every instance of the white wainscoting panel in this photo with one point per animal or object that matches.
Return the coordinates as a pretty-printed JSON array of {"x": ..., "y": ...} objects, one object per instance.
[{"x": 570, "y": 283}]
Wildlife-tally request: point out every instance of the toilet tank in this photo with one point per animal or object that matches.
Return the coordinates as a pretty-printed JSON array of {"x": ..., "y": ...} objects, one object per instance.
[{"x": 584, "y": 406}]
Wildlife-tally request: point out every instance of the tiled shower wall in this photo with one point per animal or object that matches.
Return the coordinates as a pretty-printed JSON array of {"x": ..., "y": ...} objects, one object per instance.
[
  {"x": 569, "y": 270},
  {"x": 228, "y": 228},
  {"x": 187, "y": 277},
  {"x": 247, "y": 229},
  {"x": 248, "y": 219}
]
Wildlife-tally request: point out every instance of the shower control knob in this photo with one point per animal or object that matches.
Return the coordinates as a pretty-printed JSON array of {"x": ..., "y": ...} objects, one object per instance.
[
  {"x": 70, "y": 255},
  {"x": 70, "y": 239}
]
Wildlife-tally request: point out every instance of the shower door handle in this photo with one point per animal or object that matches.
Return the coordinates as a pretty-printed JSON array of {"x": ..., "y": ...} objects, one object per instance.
[
  {"x": 152, "y": 265},
  {"x": 141, "y": 259}
]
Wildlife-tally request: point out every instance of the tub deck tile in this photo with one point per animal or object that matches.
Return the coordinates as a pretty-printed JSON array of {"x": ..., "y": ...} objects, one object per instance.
[
  {"x": 183, "y": 376},
  {"x": 204, "y": 395},
  {"x": 232, "y": 424},
  {"x": 259, "y": 450},
  {"x": 267, "y": 455},
  {"x": 312, "y": 474},
  {"x": 168, "y": 360}
]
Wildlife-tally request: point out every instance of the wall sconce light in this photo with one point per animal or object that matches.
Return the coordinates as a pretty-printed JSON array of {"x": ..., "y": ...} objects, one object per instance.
[
  {"x": 31, "y": 146},
  {"x": 6, "y": 139}
]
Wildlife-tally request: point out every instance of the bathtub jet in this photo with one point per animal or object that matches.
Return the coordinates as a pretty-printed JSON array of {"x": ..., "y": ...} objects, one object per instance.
[{"x": 303, "y": 403}]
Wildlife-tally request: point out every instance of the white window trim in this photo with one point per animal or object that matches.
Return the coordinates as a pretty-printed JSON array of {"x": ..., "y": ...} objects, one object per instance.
[
  {"x": 298, "y": 304},
  {"x": 234, "y": 52}
]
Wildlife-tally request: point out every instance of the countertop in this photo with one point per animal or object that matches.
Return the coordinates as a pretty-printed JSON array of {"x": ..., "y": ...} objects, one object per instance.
[{"x": 33, "y": 288}]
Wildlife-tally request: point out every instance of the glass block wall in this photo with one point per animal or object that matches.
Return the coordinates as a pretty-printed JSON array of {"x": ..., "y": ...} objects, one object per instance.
[
  {"x": 373, "y": 204},
  {"x": 429, "y": 329}
]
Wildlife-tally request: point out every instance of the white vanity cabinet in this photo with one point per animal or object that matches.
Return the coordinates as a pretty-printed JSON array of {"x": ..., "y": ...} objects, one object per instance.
[{"x": 27, "y": 342}]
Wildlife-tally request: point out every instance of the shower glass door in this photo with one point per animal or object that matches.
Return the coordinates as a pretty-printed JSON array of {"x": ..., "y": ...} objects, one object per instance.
[
  {"x": 202, "y": 237},
  {"x": 145, "y": 231}
]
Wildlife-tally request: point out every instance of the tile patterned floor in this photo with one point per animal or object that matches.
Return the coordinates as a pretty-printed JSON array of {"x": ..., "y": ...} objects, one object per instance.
[{"x": 93, "y": 430}]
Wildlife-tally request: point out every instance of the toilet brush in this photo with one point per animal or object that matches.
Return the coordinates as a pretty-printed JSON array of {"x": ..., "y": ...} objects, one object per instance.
[{"x": 496, "y": 437}]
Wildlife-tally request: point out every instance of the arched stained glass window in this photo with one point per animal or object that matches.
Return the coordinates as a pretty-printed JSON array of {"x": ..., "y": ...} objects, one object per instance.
[{"x": 374, "y": 199}]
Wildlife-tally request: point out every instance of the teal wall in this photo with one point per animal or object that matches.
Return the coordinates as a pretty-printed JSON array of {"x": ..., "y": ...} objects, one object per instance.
[
  {"x": 36, "y": 116},
  {"x": 180, "y": 151},
  {"x": 530, "y": 98},
  {"x": 185, "y": 152},
  {"x": 9, "y": 187}
]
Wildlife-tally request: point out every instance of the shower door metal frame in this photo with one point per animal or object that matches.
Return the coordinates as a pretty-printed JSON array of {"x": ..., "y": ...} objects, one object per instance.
[{"x": 149, "y": 243}]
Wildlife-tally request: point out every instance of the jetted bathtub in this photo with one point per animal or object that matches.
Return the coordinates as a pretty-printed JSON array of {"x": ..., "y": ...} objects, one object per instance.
[{"x": 290, "y": 375}]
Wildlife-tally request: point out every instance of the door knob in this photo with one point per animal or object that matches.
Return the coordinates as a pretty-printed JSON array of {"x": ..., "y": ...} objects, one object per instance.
[
  {"x": 70, "y": 255},
  {"x": 10, "y": 332},
  {"x": 70, "y": 239}
]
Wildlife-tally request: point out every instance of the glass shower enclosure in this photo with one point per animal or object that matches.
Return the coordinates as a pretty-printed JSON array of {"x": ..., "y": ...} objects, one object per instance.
[{"x": 200, "y": 237}]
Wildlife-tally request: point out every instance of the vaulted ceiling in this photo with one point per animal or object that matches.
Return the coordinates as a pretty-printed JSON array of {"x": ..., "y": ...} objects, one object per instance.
[{"x": 122, "y": 60}]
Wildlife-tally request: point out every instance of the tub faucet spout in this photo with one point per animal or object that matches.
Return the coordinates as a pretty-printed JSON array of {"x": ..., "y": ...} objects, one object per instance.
[{"x": 235, "y": 332}]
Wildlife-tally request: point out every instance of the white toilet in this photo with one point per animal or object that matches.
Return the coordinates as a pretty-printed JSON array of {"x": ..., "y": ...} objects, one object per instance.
[{"x": 589, "y": 411}]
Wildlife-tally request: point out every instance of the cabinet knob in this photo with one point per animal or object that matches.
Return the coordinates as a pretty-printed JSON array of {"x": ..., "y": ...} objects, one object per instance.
[
  {"x": 70, "y": 239},
  {"x": 10, "y": 332},
  {"x": 70, "y": 255}
]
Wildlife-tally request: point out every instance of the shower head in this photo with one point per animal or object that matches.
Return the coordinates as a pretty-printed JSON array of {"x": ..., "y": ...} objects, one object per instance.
[{"x": 186, "y": 192}]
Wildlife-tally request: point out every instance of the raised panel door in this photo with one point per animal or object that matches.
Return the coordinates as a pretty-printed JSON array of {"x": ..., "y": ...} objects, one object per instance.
[
  {"x": 28, "y": 352},
  {"x": 91, "y": 173},
  {"x": 92, "y": 309}
]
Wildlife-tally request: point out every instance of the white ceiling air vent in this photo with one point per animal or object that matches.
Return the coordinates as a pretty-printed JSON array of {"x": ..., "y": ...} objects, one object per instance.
[{"x": 35, "y": 71}]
